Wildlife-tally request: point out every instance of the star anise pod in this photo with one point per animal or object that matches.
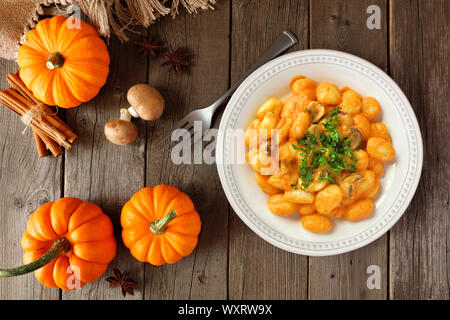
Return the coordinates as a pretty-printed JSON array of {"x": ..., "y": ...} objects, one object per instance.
[
  {"x": 149, "y": 46},
  {"x": 176, "y": 59},
  {"x": 127, "y": 285}
]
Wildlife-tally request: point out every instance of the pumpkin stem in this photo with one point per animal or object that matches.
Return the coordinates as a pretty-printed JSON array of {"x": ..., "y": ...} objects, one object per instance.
[
  {"x": 59, "y": 246},
  {"x": 55, "y": 60},
  {"x": 158, "y": 227}
]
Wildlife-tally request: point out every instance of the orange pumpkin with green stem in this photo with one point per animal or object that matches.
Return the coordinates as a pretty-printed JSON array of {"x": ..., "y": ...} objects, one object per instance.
[
  {"x": 63, "y": 64},
  {"x": 66, "y": 242},
  {"x": 160, "y": 225}
]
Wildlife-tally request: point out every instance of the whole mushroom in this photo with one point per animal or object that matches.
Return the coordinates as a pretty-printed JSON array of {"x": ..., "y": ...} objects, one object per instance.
[
  {"x": 121, "y": 131},
  {"x": 146, "y": 102}
]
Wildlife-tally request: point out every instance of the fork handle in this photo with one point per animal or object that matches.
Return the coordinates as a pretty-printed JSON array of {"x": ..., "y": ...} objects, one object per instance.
[{"x": 284, "y": 41}]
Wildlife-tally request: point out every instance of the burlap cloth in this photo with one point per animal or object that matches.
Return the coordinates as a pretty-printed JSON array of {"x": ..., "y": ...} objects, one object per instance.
[{"x": 18, "y": 16}]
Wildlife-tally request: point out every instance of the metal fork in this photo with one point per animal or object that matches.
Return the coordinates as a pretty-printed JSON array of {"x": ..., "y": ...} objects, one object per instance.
[{"x": 284, "y": 41}]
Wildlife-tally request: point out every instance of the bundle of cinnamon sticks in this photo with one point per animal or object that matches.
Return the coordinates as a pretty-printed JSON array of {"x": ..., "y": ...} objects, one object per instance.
[{"x": 50, "y": 132}]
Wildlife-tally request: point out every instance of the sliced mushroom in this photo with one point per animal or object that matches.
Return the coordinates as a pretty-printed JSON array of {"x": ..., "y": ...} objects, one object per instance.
[
  {"x": 317, "y": 184},
  {"x": 121, "y": 131},
  {"x": 266, "y": 146},
  {"x": 350, "y": 184},
  {"x": 316, "y": 130},
  {"x": 355, "y": 137},
  {"x": 316, "y": 110}
]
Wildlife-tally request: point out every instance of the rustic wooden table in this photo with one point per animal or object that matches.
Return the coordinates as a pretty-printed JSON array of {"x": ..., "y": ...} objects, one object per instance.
[{"x": 232, "y": 262}]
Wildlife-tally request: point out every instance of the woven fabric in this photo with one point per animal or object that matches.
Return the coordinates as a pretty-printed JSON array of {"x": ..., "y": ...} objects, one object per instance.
[
  {"x": 108, "y": 16},
  {"x": 16, "y": 16}
]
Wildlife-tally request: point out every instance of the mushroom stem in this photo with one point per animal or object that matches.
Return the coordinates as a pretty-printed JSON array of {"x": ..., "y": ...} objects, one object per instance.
[
  {"x": 133, "y": 112},
  {"x": 125, "y": 115}
]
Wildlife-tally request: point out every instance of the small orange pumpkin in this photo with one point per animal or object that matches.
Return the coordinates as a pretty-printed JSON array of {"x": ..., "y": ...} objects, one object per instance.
[
  {"x": 160, "y": 225},
  {"x": 68, "y": 243},
  {"x": 63, "y": 64}
]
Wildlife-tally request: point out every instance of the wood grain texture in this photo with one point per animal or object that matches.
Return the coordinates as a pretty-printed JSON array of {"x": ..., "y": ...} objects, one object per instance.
[
  {"x": 341, "y": 25},
  {"x": 203, "y": 274},
  {"x": 27, "y": 182},
  {"x": 419, "y": 55},
  {"x": 258, "y": 270},
  {"x": 103, "y": 173},
  {"x": 231, "y": 261}
]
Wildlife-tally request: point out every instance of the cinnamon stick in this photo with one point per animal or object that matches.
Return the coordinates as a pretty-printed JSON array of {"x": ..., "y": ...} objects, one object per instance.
[
  {"x": 18, "y": 107},
  {"x": 40, "y": 145},
  {"x": 44, "y": 126},
  {"x": 49, "y": 131},
  {"x": 18, "y": 96},
  {"x": 17, "y": 83},
  {"x": 51, "y": 145}
]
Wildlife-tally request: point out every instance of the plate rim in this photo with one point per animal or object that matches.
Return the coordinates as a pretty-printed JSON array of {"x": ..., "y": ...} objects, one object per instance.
[{"x": 413, "y": 123}]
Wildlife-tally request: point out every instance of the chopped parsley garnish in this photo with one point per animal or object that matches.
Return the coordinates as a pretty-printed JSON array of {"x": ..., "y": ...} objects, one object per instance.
[{"x": 327, "y": 150}]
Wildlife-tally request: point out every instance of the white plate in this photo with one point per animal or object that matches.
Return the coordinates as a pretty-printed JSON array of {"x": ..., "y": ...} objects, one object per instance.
[{"x": 401, "y": 176}]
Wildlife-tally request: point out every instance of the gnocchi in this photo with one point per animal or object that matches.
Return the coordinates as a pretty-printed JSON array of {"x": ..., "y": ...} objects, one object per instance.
[
  {"x": 362, "y": 124},
  {"x": 265, "y": 186},
  {"x": 330, "y": 154},
  {"x": 378, "y": 129},
  {"x": 284, "y": 177},
  {"x": 351, "y": 101},
  {"x": 328, "y": 93},
  {"x": 363, "y": 160},
  {"x": 380, "y": 149},
  {"x": 372, "y": 192},
  {"x": 306, "y": 208},
  {"x": 293, "y": 105},
  {"x": 370, "y": 108},
  {"x": 268, "y": 123},
  {"x": 368, "y": 181},
  {"x": 359, "y": 210},
  {"x": 376, "y": 166},
  {"x": 278, "y": 205},
  {"x": 286, "y": 152},
  {"x": 283, "y": 126},
  {"x": 328, "y": 199},
  {"x": 316, "y": 223},
  {"x": 305, "y": 87},
  {"x": 251, "y": 134},
  {"x": 299, "y": 196},
  {"x": 272, "y": 106},
  {"x": 300, "y": 125}
]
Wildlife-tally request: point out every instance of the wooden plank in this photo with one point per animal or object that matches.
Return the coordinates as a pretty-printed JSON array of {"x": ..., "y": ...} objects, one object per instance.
[
  {"x": 258, "y": 270},
  {"x": 341, "y": 25},
  {"x": 28, "y": 182},
  {"x": 203, "y": 274},
  {"x": 103, "y": 173},
  {"x": 419, "y": 242}
]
